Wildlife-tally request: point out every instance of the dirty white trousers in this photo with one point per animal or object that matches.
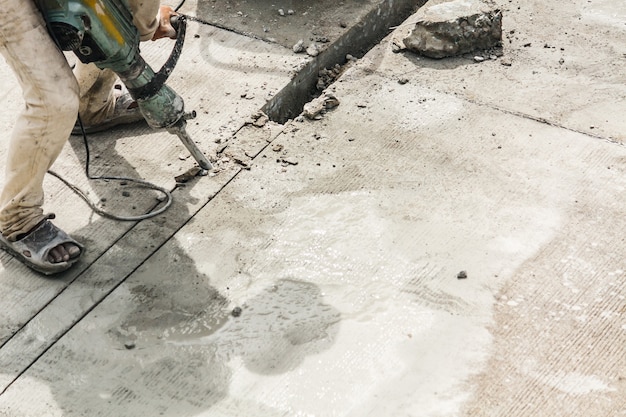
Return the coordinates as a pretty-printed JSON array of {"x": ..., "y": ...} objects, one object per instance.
[{"x": 53, "y": 96}]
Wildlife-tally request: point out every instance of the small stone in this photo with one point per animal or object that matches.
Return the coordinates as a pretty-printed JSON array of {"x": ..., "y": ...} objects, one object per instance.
[
  {"x": 290, "y": 12},
  {"x": 125, "y": 193},
  {"x": 236, "y": 312},
  {"x": 403, "y": 80},
  {"x": 281, "y": 12},
  {"x": 462, "y": 275},
  {"x": 478, "y": 58},
  {"x": 299, "y": 47},
  {"x": 129, "y": 345},
  {"x": 313, "y": 50}
]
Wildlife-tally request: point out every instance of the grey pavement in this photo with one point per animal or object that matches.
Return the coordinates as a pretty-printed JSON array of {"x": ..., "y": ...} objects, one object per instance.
[{"x": 316, "y": 271}]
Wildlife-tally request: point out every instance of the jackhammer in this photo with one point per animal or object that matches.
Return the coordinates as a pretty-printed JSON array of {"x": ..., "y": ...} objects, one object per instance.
[{"x": 102, "y": 32}]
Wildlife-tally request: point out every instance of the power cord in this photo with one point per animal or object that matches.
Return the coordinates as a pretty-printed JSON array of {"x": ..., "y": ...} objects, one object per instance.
[
  {"x": 83, "y": 195},
  {"x": 179, "y": 5}
]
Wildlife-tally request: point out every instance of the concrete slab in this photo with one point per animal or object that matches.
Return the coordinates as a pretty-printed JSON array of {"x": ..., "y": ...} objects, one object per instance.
[
  {"x": 255, "y": 70},
  {"x": 329, "y": 284},
  {"x": 566, "y": 75}
]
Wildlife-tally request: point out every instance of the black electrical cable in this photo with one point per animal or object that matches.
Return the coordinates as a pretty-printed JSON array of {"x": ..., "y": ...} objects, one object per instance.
[
  {"x": 98, "y": 210},
  {"x": 179, "y": 5}
]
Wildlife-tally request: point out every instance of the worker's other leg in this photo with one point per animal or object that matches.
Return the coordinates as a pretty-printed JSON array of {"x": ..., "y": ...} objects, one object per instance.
[
  {"x": 97, "y": 95},
  {"x": 42, "y": 128}
]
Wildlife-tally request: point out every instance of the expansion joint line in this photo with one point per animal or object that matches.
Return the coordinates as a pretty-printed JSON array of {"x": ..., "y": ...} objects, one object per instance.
[{"x": 543, "y": 121}]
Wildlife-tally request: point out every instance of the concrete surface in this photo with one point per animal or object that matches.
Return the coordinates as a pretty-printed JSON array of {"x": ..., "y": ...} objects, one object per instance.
[{"x": 327, "y": 285}]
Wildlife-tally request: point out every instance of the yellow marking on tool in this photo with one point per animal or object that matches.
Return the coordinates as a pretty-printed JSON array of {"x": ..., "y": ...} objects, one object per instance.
[{"x": 105, "y": 18}]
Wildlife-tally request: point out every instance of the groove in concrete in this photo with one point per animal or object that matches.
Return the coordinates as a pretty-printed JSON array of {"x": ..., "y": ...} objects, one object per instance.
[{"x": 359, "y": 39}]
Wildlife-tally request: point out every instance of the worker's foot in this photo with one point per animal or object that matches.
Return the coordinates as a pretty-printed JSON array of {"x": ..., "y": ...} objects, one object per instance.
[
  {"x": 63, "y": 253},
  {"x": 46, "y": 248},
  {"x": 126, "y": 111}
]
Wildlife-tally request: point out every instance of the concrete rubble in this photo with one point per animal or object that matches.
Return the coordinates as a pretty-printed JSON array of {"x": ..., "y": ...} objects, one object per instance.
[{"x": 449, "y": 28}]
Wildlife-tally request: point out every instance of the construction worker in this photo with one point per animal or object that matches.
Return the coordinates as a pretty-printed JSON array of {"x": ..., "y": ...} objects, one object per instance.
[{"x": 53, "y": 96}]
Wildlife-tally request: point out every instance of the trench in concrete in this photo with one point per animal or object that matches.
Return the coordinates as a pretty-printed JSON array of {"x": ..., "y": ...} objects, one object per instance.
[{"x": 356, "y": 41}]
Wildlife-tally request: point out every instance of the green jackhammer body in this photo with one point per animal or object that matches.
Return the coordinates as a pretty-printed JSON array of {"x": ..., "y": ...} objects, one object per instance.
[{"x": 102, "y": 32}]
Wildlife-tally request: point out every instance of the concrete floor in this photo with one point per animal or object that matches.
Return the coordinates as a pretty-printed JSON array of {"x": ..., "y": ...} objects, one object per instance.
[{"x": 340, "y": 246}]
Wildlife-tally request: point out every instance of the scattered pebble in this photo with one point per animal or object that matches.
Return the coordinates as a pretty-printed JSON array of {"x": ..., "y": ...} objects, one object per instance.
[
  {"x": 288, "y": 161},
  {"x": 403, "y": 80},
  {"x": 129, "y": 345},
  {"x": 299, "y": 47},
  {"x": 462, "y": 275},
  {"x": 313, "y": 50},
  {"x": 236, "y": 312}
]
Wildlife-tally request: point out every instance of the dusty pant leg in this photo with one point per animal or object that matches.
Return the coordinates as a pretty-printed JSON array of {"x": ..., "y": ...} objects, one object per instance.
[
  {"x": 43, "y": 126},
  {"x": 97, "y": 99}
]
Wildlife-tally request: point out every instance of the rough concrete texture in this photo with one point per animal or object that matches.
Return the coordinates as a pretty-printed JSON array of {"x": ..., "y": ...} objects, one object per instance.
[
  {"x": 324, "y": 281},
  {"x": 447, "y": 28}
]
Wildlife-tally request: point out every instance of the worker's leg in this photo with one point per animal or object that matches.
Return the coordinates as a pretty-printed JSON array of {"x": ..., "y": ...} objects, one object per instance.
[
  {"x": 42, "y": 128},
  {"x": 97, "y": 99},
  {"x": 97, "y": 95}
]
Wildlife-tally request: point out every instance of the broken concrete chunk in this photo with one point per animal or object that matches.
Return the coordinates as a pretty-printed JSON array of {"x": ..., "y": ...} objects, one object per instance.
[
  {"x": 259, "y": 119},
  {"x": 446, "y": 28},
  {"x": 315, "y": 107},
  {"x": 188, "y": 175},
  {"x": 313, "y": 50}
]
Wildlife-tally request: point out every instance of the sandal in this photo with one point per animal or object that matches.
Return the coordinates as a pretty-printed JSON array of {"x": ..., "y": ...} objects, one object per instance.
[
  {"x": 126, "y": 111},
  {"x": 33, "y": 249}
]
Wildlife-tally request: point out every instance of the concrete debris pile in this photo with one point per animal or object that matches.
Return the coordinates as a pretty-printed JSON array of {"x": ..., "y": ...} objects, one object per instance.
[{"x": 445, "y": 28}]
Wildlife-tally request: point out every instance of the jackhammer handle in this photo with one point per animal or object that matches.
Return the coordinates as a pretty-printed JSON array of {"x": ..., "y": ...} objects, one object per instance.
[{"x": 175, "y": 22}]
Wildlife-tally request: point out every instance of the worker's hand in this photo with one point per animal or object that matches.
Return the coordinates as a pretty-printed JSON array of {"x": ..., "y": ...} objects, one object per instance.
[{"x": 165, "y": 29}]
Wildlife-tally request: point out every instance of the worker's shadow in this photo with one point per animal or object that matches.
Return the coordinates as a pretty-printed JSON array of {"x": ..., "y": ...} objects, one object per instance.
[{"x": 167, "y": 341}]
